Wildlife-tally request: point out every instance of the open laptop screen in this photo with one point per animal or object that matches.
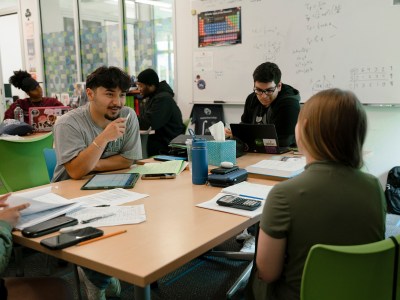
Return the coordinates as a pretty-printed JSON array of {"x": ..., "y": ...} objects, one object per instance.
[
  {"x": 260, "y": 138},
  {"x": 43, "y": 118}
]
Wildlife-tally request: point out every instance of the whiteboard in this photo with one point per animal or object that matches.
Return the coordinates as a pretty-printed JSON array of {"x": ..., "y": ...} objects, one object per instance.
[{"x": 349, "y": 44}]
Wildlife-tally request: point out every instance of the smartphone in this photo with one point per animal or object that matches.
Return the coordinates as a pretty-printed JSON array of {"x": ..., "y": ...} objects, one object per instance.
[
  {"x": 71, "y": 238},
  {"x": 159, "y": 176},
  {"x": 48, "y": 226},
  {"x": 223, "y": 170}
]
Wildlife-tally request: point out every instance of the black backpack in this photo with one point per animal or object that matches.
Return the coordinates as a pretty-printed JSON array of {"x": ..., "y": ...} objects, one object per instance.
[{"x": 392, "y": 191}]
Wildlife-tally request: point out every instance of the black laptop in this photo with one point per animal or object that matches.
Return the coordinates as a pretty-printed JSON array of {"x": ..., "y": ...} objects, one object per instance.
[{"x": 259, "y": 138}]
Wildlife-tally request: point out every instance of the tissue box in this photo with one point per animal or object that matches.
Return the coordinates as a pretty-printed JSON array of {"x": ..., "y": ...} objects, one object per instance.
[{"x": 221, "y": 151}]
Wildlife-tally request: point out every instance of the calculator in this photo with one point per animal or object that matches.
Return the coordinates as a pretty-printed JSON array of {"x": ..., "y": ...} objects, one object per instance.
[{"x": 238, "y": 202}]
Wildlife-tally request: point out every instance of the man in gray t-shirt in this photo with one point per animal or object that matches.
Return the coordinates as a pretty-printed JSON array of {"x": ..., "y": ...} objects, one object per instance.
[
  {"x": 102, "y": 135},
  {"x": 99, "y": 136}
]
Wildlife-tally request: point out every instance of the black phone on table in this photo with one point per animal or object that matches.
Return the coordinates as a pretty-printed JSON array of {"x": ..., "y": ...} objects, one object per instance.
[
  {"x": 238, "y": 202},
  {"x": 48, "y": 226},
  {"x": 159, "y": 176},
  {"x": 65, "y": 240}
]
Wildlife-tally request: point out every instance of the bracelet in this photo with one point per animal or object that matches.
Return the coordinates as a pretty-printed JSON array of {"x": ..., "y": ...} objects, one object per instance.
[{"x": 94, "y": 143}]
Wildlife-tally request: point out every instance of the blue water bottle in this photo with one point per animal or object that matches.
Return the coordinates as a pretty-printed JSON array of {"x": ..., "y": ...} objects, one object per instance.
[{"x": 199, "y": 161}]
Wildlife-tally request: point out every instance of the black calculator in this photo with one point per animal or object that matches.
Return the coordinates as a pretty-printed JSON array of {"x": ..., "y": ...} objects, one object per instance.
[{"x": 238, "y": 202}]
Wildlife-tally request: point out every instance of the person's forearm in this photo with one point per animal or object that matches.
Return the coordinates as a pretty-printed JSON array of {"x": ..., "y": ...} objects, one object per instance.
[
  {"x": 115, "y": 162},
  {"x": 86, "y": 161}
]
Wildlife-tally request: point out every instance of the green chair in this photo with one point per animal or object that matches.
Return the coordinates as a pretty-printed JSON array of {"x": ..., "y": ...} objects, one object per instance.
[
  {"x": 22, "y": 162},
  {"x": 350, "y": 272}
]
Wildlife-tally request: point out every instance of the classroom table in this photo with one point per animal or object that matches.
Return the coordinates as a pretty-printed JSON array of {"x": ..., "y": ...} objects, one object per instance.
[{"x": 175, "y": 232}]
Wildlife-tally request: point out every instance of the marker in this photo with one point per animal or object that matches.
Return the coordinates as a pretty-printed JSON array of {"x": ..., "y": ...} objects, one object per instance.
[
  {"x": 97, "y": 218},
  {"x": 127, "y": 117}
]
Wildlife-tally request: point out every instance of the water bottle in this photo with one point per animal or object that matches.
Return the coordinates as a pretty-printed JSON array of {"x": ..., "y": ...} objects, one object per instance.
[
  {"x": 19, "y": 113},
  {"x": 199, "y": 161}
]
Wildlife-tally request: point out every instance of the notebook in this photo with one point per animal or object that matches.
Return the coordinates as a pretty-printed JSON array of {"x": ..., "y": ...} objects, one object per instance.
[
  {"x": 259, "y": 138},
  {"x": 43, "y": 118}
]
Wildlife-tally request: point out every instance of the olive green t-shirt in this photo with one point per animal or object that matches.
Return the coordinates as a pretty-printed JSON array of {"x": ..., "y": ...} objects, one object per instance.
[{"x": 327, "y": 204}]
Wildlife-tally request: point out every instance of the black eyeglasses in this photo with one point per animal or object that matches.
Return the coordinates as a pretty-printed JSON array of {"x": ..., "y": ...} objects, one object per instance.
[{"x": 269, "y": 91}]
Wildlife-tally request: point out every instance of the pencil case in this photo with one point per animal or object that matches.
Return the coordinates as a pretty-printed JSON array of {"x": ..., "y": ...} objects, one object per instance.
[{"x": 231, "y": 178}]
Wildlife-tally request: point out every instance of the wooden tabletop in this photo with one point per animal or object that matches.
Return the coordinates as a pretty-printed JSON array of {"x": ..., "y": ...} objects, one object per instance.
[{"x": 175, "y": 232}]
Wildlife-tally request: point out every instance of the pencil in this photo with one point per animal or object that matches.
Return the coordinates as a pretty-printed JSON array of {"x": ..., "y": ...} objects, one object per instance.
[{"x": 101, "y": 237}]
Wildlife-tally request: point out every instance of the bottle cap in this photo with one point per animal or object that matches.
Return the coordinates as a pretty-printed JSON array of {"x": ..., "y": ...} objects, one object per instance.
[{"x": 199, "y": 143}]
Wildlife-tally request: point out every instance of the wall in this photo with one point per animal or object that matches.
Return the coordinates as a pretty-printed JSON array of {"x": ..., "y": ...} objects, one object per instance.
[
  {"x": 384, "y": 122},
  {"x": 383, "y": 139}
]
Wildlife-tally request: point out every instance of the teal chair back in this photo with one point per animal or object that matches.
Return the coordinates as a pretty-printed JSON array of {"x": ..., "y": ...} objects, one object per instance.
[
  {"x": 22, "y": 162},
  {"x": 51, "y": 161},
  {"x": 350, "y": 272}
]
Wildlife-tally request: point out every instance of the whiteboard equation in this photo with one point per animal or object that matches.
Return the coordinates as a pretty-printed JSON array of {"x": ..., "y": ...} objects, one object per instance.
[{"x": 371, "y": 77}]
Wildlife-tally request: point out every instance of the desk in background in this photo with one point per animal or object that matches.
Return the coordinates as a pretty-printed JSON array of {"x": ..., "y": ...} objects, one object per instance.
[{"x": 175, "y": 232}]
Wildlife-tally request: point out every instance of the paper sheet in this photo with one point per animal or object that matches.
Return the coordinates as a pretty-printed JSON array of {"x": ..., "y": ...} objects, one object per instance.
[
  {"x": 172, "y": 166},
  {"x": 249, "y": 190},
  {"x": 212, "y": 204},
  {"x": 110, "y": 197},
  {"x": 33, "y": 219},
  {"x": 39, "y": 200},
  {"x": 122, "y": 215}
]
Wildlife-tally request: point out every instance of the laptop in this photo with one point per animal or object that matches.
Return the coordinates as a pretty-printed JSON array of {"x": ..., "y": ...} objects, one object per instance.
[
  {"x": 259, "y": 138},
  {"x": 43, "y": 118}
]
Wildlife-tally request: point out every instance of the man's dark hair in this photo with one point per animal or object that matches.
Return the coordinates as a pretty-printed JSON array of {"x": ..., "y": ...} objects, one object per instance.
[
  {"x": 267, "y": 72},
  {"x": 109, "y": 78}
]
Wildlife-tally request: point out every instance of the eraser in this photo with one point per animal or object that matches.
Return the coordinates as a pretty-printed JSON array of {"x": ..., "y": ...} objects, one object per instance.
[{"x": 226, "y": 164}]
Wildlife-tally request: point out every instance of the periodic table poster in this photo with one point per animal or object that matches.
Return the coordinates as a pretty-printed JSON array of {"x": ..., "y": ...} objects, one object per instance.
[{"x": 219, "y": 27}]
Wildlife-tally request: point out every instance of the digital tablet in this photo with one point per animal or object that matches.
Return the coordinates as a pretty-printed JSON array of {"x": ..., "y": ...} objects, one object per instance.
[{"x": 111, "y": 181}]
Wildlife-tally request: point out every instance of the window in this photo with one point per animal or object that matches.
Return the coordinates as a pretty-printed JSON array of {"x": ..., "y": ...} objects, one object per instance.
[{"x": 75, "y": 46}]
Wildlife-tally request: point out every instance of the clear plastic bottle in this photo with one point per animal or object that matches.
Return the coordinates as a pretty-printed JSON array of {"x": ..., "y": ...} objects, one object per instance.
[
  {"x": 19, "y": 113},
  {"x": 199, "y": 162}
]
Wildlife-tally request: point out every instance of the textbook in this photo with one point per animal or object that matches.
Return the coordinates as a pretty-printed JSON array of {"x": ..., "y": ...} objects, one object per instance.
[{"x": 285, "y": 167}]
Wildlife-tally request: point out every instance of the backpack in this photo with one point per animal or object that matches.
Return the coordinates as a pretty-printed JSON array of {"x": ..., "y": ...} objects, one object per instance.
[{"x": 392, "y": 191}]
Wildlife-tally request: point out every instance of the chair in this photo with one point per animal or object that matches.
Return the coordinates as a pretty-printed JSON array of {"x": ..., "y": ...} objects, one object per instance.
[
  {"x": 351, "y": 272},
  {"x": 51, "y": 161},
  {"x": 23, "y": 165}
]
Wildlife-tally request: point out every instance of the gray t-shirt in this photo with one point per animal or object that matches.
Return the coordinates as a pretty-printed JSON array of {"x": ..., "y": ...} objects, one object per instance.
[
  {"x": 327, "y": 204},
  {"x": 75, "y": 131}
]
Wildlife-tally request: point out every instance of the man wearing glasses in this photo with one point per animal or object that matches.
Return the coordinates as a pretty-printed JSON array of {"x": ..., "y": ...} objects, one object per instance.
[{"x": 273, "y": 102}]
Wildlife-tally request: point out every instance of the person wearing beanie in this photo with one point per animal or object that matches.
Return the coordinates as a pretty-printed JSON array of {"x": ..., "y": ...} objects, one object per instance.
[
  {"x": 23, "y": 80},
  {"x": 161, "y": 113}
]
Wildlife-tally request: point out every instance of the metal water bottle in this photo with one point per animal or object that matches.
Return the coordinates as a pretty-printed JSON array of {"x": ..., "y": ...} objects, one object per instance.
[
  {"x": 19, "y": 113},
  {"x": 199, "y": 161}
]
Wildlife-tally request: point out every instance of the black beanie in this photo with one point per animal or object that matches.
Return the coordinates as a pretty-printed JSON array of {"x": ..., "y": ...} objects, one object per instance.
[{"x": 148, "y": 77}]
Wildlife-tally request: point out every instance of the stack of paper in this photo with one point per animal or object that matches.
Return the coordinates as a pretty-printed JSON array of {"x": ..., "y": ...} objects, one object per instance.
[
  {"x": 172, "y": 166},
  {"x": 286, "y": 167},
  {"x": 44, "y": 205}
]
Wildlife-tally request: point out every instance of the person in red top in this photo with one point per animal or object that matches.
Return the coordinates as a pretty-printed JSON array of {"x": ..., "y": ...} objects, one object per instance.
[{"x": 24, "y": 81}]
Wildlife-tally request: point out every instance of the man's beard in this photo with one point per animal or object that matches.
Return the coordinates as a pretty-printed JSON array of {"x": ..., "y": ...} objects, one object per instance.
[{"x": 110, "y": 118}]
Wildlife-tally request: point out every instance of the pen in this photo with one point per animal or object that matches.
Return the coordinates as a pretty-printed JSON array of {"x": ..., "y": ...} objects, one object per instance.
[
  {"x": 251, "y": 197},
  {"x": 97, "y": 218},
  {"x": 101, "y": 237}
]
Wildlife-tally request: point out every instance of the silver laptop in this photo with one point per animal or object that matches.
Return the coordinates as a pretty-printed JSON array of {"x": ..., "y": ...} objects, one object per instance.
[{"x": 259, "y": 138}]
